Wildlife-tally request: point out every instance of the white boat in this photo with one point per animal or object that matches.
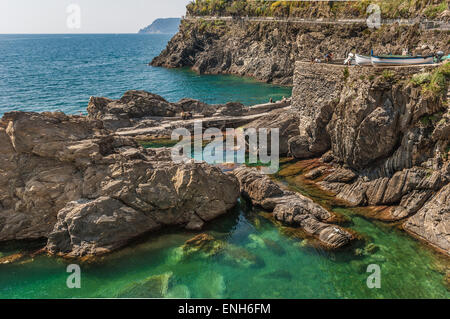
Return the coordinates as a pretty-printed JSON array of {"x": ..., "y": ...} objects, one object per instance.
[
  {"x": 400, "y": 60},
  {"x": 363, "y": 60}
]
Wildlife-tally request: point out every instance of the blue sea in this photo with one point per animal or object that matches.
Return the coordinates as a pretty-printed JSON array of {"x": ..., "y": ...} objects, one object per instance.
[{"x": 60, "y": 72}]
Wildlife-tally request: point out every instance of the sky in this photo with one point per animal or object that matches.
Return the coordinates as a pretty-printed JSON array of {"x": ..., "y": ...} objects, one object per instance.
[{"x": 84, "y": 16}]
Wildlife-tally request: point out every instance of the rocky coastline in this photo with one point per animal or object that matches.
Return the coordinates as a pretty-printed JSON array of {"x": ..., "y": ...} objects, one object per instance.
[
  {"x": 382, "y": 138},
  {"x": 90, "y": 191},
  {"x": 268, "y": 50}
]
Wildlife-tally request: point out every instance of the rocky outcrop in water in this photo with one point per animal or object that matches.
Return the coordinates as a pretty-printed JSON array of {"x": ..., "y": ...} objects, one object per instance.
[
  {"x": 268, "y": 50},
  {"x": 135, "y": 106},
  {"x": 383, "y": 137},
  {"x": 291, "y": 208},
  {"x": 141, "y": 109},
  {"x": 89, "y": 191}
]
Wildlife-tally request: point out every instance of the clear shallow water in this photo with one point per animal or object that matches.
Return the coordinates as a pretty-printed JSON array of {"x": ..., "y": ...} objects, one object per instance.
[
  {"x": 260, "y": 260},
  {"x": 61, "y": 72}
]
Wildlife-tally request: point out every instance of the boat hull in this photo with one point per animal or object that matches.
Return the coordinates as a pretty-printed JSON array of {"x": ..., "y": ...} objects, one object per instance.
[
  {"x": 363, "y": 60},
  {"x": 395, "y": 61}
]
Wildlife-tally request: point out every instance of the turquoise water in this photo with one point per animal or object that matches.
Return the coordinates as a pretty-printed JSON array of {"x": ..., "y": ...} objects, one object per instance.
[
  {"x": 255, "y": 258},
  {"x": 61, "y": 72}
]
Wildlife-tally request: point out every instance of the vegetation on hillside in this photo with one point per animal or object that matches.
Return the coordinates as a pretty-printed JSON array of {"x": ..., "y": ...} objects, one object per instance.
[
  {"x": 321, "y": 9},
  {"x": 435, "y": 83}
]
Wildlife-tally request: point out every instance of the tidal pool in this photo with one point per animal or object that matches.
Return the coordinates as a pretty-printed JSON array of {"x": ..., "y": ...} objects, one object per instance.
[{"x": 260, "y": 259}]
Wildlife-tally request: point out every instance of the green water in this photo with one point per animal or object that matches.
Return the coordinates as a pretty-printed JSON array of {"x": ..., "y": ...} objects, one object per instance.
[{"x": 259, "y": 261}]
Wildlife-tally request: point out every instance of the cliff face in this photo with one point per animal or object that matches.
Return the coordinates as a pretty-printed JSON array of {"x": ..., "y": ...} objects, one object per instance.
[
  {"x": 268, "y": 50},
  {"x": 386, "y": 135}
]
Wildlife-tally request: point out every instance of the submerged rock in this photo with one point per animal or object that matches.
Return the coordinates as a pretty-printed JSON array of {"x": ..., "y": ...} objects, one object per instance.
[
  {"x": 11, "y": 258},
  {"x": 203, "y": 244},
  {"x": 238, "y": 256},
  {"x": 152, "y": 287},
  {"x": 274, "y": 247}
]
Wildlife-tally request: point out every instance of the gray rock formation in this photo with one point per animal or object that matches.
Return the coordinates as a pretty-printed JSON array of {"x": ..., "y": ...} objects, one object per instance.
[
  {"x": 291, "y": 208},
  {"x": 268, "y": 50},
  {"x": 144, "y": 109},
  {"x": 89, "y": 191},
  {"x": 432, "y": 221},
  {"x": 385, "y": 136},
  {"x": 137, "y": 105}
]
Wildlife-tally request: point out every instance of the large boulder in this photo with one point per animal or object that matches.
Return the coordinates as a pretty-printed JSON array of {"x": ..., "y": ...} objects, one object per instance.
[
  {"x": 89, "y": 191},
  {"x": 291, "y": 208}
]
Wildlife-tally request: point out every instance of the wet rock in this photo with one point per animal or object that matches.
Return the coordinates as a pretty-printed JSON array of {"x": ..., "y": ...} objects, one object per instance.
[
  {"x": 257, "y": 187},
  {"x": 315, "y": 173},
  {"x": 291, "y": 208},
  {"x": 11, "y": 258},
  {"x": 152, "y": 287}
]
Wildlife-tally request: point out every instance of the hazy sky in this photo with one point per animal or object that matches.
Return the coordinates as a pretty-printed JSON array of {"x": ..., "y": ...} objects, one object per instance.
[{"x": 96, "y": 16}]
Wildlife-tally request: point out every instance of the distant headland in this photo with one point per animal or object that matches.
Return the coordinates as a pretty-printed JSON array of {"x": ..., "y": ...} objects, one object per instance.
[{"x": 162, "y": 26}]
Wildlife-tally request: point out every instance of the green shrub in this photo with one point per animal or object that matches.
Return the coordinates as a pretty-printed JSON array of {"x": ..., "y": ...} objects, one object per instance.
[
  {"x": 437, "y": 84},
  {"x": 346, "y": 73},
  {"x": 388, "y": 75}
]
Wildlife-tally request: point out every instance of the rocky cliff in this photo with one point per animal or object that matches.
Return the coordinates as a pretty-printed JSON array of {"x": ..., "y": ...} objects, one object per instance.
[
  {"x": 386, "y": 134},
  {"x": 89, "y": 191},
  {"x": 268, "y": 50}
]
